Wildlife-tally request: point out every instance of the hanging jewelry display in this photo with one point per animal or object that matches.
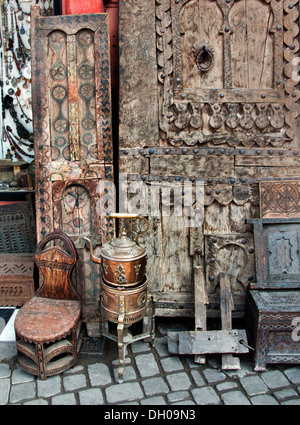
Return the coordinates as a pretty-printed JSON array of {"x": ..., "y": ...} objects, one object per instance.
[
  {"x": 17, "y": 127},
  {"x": 2, "y": 110}
]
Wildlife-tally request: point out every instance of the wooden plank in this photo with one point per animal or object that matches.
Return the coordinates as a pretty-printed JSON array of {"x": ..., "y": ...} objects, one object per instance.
[
  {"x": 201, "y": 302},
  {"x": 227, "y": 305},
  {"x": 266, "y": 171},
  {"x": 190, "y": 165},
  {"x": 138, "y": 74},
  {"x": 133, "y": 165},
  {"x": 169, "y": 266},
  {"x": 267, "y": 161},
  {"x": 209, "y": 342},
  {"x": 252, "y": 44},
  {"x": 235, "y": 96}
]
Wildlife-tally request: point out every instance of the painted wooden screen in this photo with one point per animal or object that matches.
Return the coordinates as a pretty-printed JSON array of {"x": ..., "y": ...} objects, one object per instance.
[
  {"x": 209, "y": 92},
  {"x": 72, "y": 132}
]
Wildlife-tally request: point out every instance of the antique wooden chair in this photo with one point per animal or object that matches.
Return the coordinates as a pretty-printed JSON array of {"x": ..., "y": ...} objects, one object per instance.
[{"x": 48, "y": 326}]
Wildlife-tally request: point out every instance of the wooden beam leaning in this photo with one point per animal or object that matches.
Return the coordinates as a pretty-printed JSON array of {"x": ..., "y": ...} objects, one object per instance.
[
  {"x": 227, "y": 341},
  {"x": 227, "y": 306},
  {"x": 201, "y": 301}
]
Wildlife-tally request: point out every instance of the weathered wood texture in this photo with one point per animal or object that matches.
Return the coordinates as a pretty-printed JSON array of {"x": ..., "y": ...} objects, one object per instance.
[
  {"x": 222, "y": 109},
  {"x": 138, "y": 70},
  {"x": 242, "y": 96},
  {"x": 72, "y": 132}
]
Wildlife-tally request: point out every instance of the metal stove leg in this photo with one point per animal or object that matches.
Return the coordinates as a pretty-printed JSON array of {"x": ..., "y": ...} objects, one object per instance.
[
  {"x": 152, "y": 321},
  {"x": 103, "y": 323},
  {"x": 149, "y": 323}
]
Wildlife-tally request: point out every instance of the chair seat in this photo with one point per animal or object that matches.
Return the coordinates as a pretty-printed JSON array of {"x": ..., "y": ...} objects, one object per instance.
[{"x": 42, "y": 320}]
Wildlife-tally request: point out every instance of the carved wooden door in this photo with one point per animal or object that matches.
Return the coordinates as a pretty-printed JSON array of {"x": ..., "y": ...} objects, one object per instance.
[
  {"x": 215, "y": 99},
  {"x": 72, "y": 123},
  {"x": 230, "y": 79}
]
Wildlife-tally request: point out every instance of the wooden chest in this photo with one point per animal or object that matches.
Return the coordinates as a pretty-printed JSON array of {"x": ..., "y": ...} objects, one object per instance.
[{"x": 273, "y": 320}]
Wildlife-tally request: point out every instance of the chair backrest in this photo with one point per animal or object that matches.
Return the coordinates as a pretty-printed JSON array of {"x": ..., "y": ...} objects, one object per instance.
[{"x": 55, "y": 266}]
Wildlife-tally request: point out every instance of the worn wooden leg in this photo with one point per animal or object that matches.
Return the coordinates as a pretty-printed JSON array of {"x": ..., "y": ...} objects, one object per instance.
[
  {"x": 227, "y": 305},
  {"x": 76, "y": 340},
  {"x": 261, "y": 348},
  {"x": 39, "y": 349},
  {"x": 121, "y": 347},
  {"x": 152, "y": 320},
  {"x": 201, "y": 300}
]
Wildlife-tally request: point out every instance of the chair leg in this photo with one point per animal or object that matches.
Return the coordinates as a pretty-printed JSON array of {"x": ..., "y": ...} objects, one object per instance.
[
  {"x": 76, "y": 341},
  {"x": 39, "y": 348}
]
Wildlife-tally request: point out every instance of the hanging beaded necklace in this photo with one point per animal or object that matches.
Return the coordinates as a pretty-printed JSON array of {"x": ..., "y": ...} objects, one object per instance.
[
  {"x": 16, "y": 81},
  {"x": 23, "y": 133}
]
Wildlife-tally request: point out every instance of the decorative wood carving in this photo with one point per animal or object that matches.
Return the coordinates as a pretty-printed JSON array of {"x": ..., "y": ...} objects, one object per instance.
[
  {"x": 234, "y": 254},
  {"x": 246, "y": 91},
  {"x": 16, "y": 279},
  {"x": 17, "y": 232},
  {"x": 73, "y": 140},
  {"x": 271, "y": 318},
  {"x": 276, "y": 252},
  {"x": 280, "y": 199}
]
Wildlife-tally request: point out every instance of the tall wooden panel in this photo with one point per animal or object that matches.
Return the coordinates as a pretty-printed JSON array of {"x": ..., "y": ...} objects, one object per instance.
[
  {"x": 72, "y": 132},
  {"x": 209, "y": 92}
]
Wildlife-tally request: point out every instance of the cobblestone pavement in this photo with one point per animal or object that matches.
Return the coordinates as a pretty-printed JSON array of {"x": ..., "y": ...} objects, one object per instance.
[{"x": 152, "y": 377}]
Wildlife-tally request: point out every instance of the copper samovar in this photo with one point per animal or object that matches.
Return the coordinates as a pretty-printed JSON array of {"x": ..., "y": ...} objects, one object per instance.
[{"x": 124, "y": 296}]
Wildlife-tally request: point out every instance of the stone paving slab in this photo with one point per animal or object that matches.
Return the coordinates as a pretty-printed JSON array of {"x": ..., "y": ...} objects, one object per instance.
[{"x": 152, "y": 377}]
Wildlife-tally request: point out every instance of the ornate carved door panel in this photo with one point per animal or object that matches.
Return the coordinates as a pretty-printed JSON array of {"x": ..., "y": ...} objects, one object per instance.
[
  {"x": 229, "y": 77},
  {"x": 72, "y": 124},
  {"x": 209, "y": 92}
]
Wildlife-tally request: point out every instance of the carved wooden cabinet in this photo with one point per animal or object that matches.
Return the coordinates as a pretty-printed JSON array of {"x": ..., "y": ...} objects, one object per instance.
[
  {"x": 272, "y": 302},
  {"x": 209, "y": 92},
  {"x": 17, "y": 242},
  {"x": 72, "y": 132}
]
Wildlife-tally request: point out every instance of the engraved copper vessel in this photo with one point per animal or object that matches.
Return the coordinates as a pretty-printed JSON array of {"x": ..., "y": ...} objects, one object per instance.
[
  {"x": 124, "y": 297},
  {"x": 122, "y": 259},
  {"x": 132, "y": 302}
]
